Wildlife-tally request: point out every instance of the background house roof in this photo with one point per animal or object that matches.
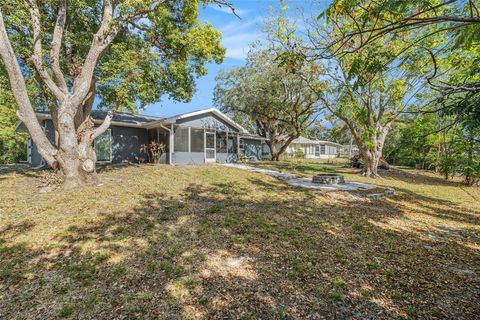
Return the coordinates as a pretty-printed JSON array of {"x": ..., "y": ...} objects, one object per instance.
[
  {"x": 303, "y": 140},
  {"x": 327, "y": 142}
]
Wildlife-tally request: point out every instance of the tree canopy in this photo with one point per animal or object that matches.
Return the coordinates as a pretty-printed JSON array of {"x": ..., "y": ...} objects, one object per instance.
[
  {"x": 124, "y": 54},
  {"x": 277, "y": 104}
]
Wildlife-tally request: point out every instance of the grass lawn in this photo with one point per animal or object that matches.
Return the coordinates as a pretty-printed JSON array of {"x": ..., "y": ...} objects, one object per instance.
[{"x": 203, "y": 242}]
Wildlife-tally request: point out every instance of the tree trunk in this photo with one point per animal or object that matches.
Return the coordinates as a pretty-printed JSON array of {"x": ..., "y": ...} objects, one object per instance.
[
  {"x": 76, "y": 155},
  {"x": 371, "y": 159},
  {"x": 469, "y": 175},
  {"x": 274, "y": 154},
  {"x": 273, "y": 150},
  {"x": 73, "y": 153}
]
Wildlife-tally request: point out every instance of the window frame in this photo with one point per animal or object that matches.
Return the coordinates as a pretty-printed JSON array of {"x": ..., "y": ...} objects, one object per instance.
[{"x": 324, "y": 148}]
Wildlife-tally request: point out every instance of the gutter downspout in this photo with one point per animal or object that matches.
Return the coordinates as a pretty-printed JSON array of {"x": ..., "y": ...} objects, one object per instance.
[{"x": 170, "y": 149}]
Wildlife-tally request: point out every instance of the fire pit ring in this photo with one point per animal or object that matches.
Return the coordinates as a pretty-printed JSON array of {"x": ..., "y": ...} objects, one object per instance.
[{"x": 328, "y": 179}]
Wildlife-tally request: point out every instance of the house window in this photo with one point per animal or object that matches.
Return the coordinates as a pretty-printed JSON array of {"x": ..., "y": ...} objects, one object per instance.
[
  {"x": 322, "y": 149},
  {"x": 196, "y": 140},
  {"x": 103, "y": 146},
  {"x": 221, "y": 142},
  {"x": 180, "y": 142}
]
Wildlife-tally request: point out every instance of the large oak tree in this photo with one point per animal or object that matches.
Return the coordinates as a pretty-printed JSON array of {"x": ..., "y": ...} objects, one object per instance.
[
  {"x": 265, "y": 96},
  {"x": 123, "y": 54}
]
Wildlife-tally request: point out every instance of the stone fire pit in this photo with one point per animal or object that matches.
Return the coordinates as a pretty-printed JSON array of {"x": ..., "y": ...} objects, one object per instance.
[{"x": 328, "y": 179}]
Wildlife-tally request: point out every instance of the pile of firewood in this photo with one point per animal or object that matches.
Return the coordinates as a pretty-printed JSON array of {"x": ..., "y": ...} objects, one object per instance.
[{"x": 154, "y": 150}]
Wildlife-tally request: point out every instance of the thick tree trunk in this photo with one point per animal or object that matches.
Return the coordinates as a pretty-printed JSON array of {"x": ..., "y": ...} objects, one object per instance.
[
  {"x": 73, "y": 154},
  {"x": 274, "y": 156},
  {"x": 76, "y": 155},
  {"x": 371, "y": 159},
  {"x": 272, "y": 145}
]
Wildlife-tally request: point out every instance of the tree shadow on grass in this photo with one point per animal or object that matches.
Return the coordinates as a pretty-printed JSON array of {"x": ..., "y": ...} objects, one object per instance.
[
  {"x": 420, "y": 177},
  {"x": 104, "y": 168},
  {"x": 6, "y": 170},
  {"x": 218, "y": 251},
  {"x": 440, "y": 208}
]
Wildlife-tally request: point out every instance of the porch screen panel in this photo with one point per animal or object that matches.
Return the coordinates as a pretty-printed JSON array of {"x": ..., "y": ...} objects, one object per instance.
[
  {"x": 221, "y": 142},
  {"x": 103, "y": 146},
  {"x": 180, "y": 143},
  {"x": 196, "y": 139},
  {"x": 232, "y": 144}
]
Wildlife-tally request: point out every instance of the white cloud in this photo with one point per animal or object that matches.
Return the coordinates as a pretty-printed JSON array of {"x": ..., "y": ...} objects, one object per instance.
[
  {"x": 238, "y": 35},
  {"x": 238, "y": 44}
]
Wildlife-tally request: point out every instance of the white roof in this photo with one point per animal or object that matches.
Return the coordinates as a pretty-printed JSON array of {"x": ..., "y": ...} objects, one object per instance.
[
  {"x": 327, "y": 142},
  {"x": 303, "y": 140}
]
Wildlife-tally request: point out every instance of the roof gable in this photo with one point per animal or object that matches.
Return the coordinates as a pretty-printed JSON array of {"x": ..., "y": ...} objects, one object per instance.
[{"x": 182, "y": 118}]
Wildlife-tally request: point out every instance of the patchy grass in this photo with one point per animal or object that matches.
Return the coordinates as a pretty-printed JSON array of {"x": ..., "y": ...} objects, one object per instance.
[{"x": 199, "y": 242}]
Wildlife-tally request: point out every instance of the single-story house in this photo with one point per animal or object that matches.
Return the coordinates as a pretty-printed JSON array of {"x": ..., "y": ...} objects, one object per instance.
[
  {"x": 320, "y": 149},
  {"x": 204, "y": 136}
]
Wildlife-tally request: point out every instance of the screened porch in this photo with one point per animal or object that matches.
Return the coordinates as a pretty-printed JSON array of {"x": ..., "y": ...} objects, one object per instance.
[{"x": 189, "y": 145}]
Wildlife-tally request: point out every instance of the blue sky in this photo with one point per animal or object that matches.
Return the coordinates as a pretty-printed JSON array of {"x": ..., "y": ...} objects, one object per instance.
[{"x": 238, "y": 34}]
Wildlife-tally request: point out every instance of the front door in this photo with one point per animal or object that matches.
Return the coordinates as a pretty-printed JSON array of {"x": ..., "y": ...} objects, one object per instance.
[{"x": 210, "y": 142}]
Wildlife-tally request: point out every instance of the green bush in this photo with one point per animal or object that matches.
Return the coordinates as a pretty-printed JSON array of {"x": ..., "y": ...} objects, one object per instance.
[{"x": 299, "y": 153}]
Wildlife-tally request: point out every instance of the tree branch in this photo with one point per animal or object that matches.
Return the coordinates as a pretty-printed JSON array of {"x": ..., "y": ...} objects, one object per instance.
[
  {"x": 101, "y": 41},
  {"x": 105, "y": 124},
  {"x": 57, "y": 43},
  {"x": 19, "y": 89},
  {"x": 37, "y": 57}
]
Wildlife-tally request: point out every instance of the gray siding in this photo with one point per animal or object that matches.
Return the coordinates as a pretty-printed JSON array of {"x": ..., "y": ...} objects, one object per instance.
[
  {"x": 36, "y": 158},
  {"x": 207, "y": 121},
  {"x": 199, "y": 157},
  {"x": 188, "y": 157},
  {"x": 126, "y": 143},
  {"x": 254, "y": 149},
  {"x": 50, "y": 133},
  {"x": 227, "y": 157}
]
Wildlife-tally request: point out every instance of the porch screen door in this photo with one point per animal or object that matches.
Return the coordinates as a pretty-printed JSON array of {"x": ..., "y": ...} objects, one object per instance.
[{"x": 210, "y": 152}]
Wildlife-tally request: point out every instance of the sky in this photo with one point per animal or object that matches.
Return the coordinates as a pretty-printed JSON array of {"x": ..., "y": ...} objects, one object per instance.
[{"x": 238, "y": 34}]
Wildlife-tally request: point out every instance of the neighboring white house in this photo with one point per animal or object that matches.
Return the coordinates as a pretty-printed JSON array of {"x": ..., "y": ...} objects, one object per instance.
[
  {"x": 314, "y": 148},
  {"x": 348, "y": 151}
]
